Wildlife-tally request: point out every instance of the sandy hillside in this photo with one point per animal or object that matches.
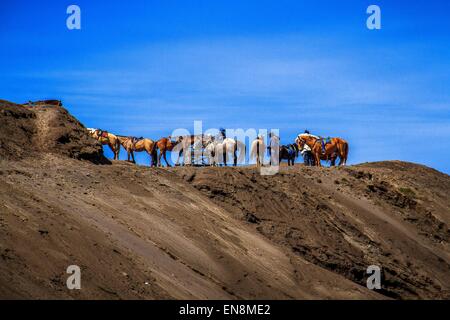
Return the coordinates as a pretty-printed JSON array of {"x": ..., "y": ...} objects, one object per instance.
[{"x": 209, "y": 233}]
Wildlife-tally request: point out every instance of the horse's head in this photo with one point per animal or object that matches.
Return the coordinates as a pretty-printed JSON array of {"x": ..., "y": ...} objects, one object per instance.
[
  {"x": 93, "y": 132},
  {"x": 207, "y": 140},
  {"x": 300, "y": 142},
  {"x": 178, "y": 139},
  {"x": 170, "y": 144}
]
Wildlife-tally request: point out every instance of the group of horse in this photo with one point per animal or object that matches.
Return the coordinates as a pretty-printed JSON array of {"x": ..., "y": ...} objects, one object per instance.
[{"x": 221, "y": 150}]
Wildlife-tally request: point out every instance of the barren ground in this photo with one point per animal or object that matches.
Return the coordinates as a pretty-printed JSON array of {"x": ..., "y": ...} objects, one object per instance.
[{"x": 209, "y": 233}]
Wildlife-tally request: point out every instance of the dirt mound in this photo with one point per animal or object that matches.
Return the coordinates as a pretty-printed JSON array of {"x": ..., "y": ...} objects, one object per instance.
[
  {"x": 138, "y": 232},
  {"x": 209, "y": 233},
  {"x": 17, "y": 128},
  {"x": 347, "y": 219},
  {"x": 25, "y": 131}
]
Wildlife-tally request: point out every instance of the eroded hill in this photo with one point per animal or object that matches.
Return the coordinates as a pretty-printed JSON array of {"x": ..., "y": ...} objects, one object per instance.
[{"x": 209, "y": 233}]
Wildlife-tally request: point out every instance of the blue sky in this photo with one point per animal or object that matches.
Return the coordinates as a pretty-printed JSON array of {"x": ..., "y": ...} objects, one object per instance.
[{"x": 145, "y": 68}]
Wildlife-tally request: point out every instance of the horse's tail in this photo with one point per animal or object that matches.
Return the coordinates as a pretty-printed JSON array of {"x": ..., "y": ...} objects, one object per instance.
[
  {"x": 345, "y": 152},
  {"x": 342, "y": 150}
]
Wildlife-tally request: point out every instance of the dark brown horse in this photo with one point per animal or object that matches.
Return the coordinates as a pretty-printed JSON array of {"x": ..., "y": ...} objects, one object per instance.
[
  {"x": 289, "y": 153},
  {"x": 337, "y": 146}
]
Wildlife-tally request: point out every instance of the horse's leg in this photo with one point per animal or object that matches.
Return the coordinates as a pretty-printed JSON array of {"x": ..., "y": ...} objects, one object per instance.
[
  {"x": 179, "y": 156},
  {"x": 159, "y": 157},
  {"x": 118, "y": 148},
  {"x": 270, "y": 155},
  {"x": 132, "y": 156},
  {"x": 345, "y": 153},
  {"x": 165, "y": 159},
  {"x": 225, "y": 156},
  {"x": 258, "y": 159},
  {"x": 210, "y": 159},
  {"x": 151, "y": 158},
  {"x": 317, "y": 157},
  {"x": 178, "y": 159},
  {"x": 155, "y": 155},
  {"x": 257, "y": 154},
  {"x": 334, "y": 155},
  {"x": 217, "y": 157},
  {"x": 113, "y": 145},
  {"x": 341, "y": 161},
  {"x": 112, "y": 149},
  {"x": 340, "y": 153}
]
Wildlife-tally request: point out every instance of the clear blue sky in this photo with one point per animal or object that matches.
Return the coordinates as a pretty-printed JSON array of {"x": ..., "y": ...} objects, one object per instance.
[{"x": 145, "y": 68}]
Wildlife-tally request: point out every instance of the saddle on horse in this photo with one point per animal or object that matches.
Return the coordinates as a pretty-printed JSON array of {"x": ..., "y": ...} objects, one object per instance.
[
  {"x": 135, "y": 140},
  {"x": 292, "y": 150},
  {"x": 324, "y": 142},
  {"x": 102, "y": 133}
]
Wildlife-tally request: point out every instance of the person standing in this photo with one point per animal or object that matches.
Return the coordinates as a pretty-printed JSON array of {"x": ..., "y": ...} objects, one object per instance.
[
  {"x": 222, "y": 134},
  {"x": 307, "y": 155}
]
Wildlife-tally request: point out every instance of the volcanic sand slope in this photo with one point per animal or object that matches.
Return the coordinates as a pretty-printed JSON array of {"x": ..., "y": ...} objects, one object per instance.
[
  {"x": 208, "y": 233},
  {"x": 391, "y": 214}
]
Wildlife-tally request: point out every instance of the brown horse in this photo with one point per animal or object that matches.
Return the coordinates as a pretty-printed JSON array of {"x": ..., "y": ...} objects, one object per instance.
[
  {"x": 131, "y": 145},
  {"x": 337, "y": 146},
  {"x": 164, "y": 145},
  {"x": 107, "y": 138}
]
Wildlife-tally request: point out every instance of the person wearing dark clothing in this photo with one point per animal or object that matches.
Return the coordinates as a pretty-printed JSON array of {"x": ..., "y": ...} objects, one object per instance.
[{"x": 222, "y": 133}]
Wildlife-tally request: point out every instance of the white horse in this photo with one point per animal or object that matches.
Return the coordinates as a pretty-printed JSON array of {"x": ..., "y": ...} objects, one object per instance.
[
  {"x": 257, "y": 150},
  {"x": 222, "y": 151},
  {"x": 210, "y": 152}
]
